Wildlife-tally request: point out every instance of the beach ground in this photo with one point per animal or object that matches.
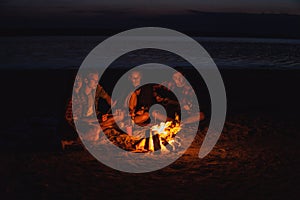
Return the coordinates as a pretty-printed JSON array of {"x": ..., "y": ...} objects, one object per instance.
[{"x": 256, "y": 157}]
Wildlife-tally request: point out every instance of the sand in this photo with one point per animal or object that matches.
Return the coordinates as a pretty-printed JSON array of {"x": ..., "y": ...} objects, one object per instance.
[{"x": 256, "y": 157}]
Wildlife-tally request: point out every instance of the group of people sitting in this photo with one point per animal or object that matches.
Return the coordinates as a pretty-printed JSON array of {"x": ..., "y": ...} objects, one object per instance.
[{"x": 136, "y": 107}]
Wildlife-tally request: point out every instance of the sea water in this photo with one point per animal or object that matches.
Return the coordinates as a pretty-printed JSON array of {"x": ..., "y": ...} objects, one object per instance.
[{"x": 65, "y": 52}]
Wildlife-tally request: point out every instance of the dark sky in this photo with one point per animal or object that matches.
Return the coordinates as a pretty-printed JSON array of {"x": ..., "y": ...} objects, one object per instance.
[
  {"x": 65, "y": 7},
  {"x": 109, "y": 14}
]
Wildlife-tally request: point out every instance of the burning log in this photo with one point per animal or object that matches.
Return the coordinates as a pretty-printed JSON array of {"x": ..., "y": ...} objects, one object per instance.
[
  {"x": 156, "y": 142},
  {"x": 150, "y": 143},
  {"x": 160, "y": 137}
]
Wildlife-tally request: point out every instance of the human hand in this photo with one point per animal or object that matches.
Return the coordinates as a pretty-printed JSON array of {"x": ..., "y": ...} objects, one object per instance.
[
  {"x": 159, "y": 98},
  {"x": 104, "y": 117},
  {"x": 140, "y": 112},
  {"x": 186, "y": 107}
]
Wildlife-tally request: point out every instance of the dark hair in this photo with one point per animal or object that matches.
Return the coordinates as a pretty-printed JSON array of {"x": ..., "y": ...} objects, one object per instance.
[
  {"x": 135, "y": 71},
  {"x": 89, "y": 71},
  {"x": 179, "y": 69}
]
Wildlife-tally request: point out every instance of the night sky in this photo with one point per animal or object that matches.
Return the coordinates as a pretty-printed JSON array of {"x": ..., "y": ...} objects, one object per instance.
[
  {"x": 181, "y": 15},
  {"x": 88, "y": 7}
]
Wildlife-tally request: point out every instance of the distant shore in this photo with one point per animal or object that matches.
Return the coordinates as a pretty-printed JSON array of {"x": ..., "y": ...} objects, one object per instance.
[
  {"x": 193, "y": 23},
  {"x": 110, "y": 32}
]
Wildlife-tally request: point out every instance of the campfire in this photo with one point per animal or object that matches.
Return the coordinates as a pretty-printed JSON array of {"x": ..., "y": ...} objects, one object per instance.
[{"x": 159, "y": 136}]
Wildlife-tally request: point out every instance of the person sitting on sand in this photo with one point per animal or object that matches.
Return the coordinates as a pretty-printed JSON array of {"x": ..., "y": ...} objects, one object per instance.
[
  {"x": 178, "y": 84},
  {"x": 140, "y": 100},
  {"x": 84, "y": 108},
  {"x": 72, "y": 137}
]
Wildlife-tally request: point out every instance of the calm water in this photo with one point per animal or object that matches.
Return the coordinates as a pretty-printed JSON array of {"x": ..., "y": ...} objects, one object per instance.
[{"x": 62, "y": 52}]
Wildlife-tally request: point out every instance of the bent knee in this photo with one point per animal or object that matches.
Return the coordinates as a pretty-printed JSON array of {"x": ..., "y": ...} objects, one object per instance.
[{"x": 142, "y": 118}]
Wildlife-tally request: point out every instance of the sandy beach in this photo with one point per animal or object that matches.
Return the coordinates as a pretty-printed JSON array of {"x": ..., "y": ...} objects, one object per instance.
[
  {"x": 254, "y": 44},
  {"x": 256, "y": 157}
]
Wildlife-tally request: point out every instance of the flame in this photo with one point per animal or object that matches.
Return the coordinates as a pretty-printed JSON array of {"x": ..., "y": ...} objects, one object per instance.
[
  {"x": 151, "y": 145},
  {"x": 141, "y": 145},
  {"x": 166, "y": 132}
]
